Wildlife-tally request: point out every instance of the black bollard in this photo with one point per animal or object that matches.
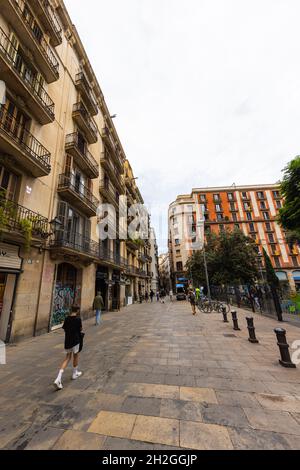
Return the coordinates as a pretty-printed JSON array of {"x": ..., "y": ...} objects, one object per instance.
[
  {"x": 285, "y": 360},
  {"x": 225, "y": 320},
  {"x": 235, "y": 321},
  {"x": 252, "y": 338}
]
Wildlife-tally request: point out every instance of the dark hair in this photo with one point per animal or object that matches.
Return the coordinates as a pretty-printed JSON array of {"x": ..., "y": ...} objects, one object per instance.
[{"x": 75, "y": 309}]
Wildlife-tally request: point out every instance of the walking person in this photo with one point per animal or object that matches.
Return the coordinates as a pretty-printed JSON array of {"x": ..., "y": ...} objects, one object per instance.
[
  {"x": 151, "y": 295},
  {"x": 73, "y": 339},
  {"x": 171, "y": 295},
  {"x": 192, "y": 300},
  {"x": 162, "y": 296},
  {"x": 98, "y": 306},
  {"x": 157, "y": 296}
]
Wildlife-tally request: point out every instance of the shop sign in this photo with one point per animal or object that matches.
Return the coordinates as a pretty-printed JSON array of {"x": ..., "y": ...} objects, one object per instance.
[{"x": 9, "y": 257}]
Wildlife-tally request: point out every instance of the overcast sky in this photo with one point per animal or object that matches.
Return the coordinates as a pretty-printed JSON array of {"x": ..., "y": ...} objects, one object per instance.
[{"x": 207, "y": 92}]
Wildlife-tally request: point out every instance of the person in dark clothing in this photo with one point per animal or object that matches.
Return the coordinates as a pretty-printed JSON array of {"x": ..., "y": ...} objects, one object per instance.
[
  {"x": 147, "y": 296},
  {"x": 73, "y": 330},
  {"x": 151, "y": 295},
  {"x": 192, "y": 299}
]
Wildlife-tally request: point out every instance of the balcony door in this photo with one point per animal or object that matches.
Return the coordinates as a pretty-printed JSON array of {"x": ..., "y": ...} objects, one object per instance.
[
  {"x": 8, "y": 184},
  {"x": 13, "y": 120}
]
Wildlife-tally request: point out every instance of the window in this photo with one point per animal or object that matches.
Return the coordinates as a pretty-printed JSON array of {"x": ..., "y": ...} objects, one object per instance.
[
  {"x": 177, "y": 252},
  {"x": 8, "y": 184},
  {"x": 230, "y": 196},
  {"x": 206, "y": 216},
  {"x": 244, "y": 195},
  {"x": 234, "y": 217},
  {"x": 179, "y": 266},
  {"x": 260, "y": 195},
  {"x": 251, "y": 227},
  {"x": 203, "y": 208},
  {"x": 271, "y": 238},
  {"x": 277, "y": 262},
  {"x": 268, "y": 227},
  {"x": 202, "y": 197},
  {"x": 276, "y": 194},
  {"x": 232, "y": 206},
  {"x": 247, "y": 206},
  {"x": 263, "y": 205},
  {"x": 222, "y": 228},
  {"x": 216, "y": 197},
  {"x": 295, "y": 261},
  {"x": 249, "y": 216},
  {"x": 266, "y": 215},
  {"x": 177, "y": 241},
  {"x": 218, "y": 208},
  {"x": 274, "y": 249},
  {"x": 219, "y": 217},
  {"x": 278, "y": 204}
]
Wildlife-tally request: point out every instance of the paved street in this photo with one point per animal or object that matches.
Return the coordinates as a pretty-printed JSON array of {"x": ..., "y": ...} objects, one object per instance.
[{"x": 154, "y": 378}]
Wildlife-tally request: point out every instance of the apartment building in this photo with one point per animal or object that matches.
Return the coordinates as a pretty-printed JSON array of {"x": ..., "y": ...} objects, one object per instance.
[
  {"x": 253, "y": 209},
  {"x": 60, "y": 156},
  {"x": 154, "y": 261},
  {"x": 138, "y": 270},
  {"x": 164, "y": 272}
]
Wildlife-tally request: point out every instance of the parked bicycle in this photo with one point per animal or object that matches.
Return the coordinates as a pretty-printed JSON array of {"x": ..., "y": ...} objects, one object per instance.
[{"x": 206, "y": 305}]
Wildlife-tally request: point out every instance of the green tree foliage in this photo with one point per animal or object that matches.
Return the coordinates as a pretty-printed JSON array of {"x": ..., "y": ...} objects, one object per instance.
[
  {"x": 289, "y": 215},
  {"x": 272, "y": 279},
  {"x": 231, "y": 259}
]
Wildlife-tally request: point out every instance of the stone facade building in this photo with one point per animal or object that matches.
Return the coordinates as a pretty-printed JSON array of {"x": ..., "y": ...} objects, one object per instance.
[{"x": 60, "y": 156}]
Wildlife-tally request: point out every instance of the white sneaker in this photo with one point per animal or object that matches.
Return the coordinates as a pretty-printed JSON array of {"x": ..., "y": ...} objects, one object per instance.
[
  {"x": 58, "y": 384},
  {"x": 76, "y": 375}
]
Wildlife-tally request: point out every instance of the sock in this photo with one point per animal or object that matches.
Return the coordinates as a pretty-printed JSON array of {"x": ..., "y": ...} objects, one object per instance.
[
  {"x": 59, "y": 377},
  {"x": 75, "y": 370}
]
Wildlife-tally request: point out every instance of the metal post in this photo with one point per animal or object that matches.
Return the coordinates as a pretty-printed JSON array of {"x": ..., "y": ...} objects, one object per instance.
[
  {"x": 235, "y": 321},
  {"x": 250, "y": 323},
  {"x": 225, "y": 320},
  {"x": 285, "y": 360}
]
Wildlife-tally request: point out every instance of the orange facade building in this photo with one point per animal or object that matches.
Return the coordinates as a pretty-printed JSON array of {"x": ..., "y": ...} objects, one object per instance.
[{"x": 253, "y": 209}]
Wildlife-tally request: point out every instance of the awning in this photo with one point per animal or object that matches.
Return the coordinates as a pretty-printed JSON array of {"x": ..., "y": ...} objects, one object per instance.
[
  {"x": 179, "y": 285},
  {"x": 296, "y": 275}
]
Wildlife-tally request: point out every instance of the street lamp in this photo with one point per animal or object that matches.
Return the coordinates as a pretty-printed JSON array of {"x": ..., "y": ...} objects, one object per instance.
[
  {"x": 55, "y": 225},
  {"x": 260, "y": 268}
]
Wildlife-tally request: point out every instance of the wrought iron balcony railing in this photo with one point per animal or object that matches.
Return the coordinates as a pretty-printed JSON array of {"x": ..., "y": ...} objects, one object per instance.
[
  {"x": 16, "y": 61},
  {"x": 13, "y": 217},
  {"x": 85, "y": 88},
  {"x": 52, "y": 18},
  {"x": 87, "y": 121},
  {"x": 28, "y": 145},
  {"x": 73, "y": 142},
  {"x": 67, "y": 182},
  {"x": 36, "y": 35}
]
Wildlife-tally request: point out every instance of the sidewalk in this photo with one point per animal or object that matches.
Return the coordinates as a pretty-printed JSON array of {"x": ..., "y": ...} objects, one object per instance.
[{"x": 154, "y": 378}]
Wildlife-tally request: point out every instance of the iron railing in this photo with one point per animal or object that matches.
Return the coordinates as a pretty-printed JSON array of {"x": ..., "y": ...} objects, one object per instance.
[
  {"x": 13, "y": 215},
  {"x": 80, "y": 108},
  {"x": 11, "y": 54},
  {"x": 66, "y": 181},
  {"x": 52, "y": 17},
  {"x": 72, "y": 140},
  {"x": 25, "y": 140},
  {"x": 110, "y": 190},
  {"x": 37, "y": 35},
  {"x": 81, "y": 79}
]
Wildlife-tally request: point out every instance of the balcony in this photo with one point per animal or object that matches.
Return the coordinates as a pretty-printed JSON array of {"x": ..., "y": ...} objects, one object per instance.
[
  {"x": 84, "y": 121},
  {"x": 15, "y": 218},
  {"x": 83, "y": 86},
  {"x": 49, "y": 19},
  {"x": 111, "y": 258},
  {"x": 22, "y": 149},
  {"x": 74, "y": 245},
  {"x": 113, "y": 148},
  {"x": 109, "y": 192},
  {"x": 17, "y": 13},
  {"x": 21, "y": 80},
  {"x": 81, "y": 155},
  {"x": 78, "y": 195},
  {"x": 112, "y": 171}
]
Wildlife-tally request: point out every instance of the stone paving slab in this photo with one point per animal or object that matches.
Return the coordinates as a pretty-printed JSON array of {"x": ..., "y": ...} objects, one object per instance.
[{"x": 154, "y": 378}]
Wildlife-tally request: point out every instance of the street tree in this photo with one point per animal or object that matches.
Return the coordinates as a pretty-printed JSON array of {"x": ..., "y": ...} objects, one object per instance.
[
  {"x": 289, "y": 215},
  {"x": 231, "y": 259}
]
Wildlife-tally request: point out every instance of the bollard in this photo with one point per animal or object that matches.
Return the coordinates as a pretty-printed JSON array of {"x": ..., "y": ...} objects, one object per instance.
[
  {"x": 252, "y": 338},
  {"x": 285, "y": 360},
  {"x": 225, "y": 320},
  {"x": 235, "y": 321}
]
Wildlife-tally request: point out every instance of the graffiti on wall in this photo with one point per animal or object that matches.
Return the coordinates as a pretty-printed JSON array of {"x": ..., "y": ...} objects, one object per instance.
[{"x": 64, "y": 298}]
